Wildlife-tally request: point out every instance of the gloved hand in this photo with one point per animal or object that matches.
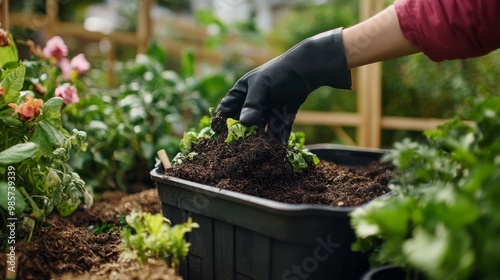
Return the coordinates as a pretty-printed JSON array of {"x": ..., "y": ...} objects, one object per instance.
[{"x": 270, "y": 95}]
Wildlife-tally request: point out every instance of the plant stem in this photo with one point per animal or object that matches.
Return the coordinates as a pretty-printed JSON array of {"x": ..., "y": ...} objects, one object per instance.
[{"x": 36, "y": 213}]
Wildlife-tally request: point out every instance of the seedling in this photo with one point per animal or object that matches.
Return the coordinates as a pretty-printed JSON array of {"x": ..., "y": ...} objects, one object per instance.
[
  {"x": 236, "y": 131},
  {"x": 149, "y": 235},
  {"x": 191, "y": 138},
  {"x": 297, "y": 154}
]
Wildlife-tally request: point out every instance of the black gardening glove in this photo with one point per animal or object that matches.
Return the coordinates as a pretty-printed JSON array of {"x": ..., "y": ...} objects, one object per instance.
[{"x": 270, "y": 96}]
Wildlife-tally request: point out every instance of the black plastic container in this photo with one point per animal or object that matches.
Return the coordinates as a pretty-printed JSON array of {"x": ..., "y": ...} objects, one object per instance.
[
  {"x": 246, "y": 237},
  {"x": 387, "y": 272}
]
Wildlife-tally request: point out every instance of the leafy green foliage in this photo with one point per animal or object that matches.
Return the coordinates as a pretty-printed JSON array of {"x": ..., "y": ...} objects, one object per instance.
[
  {"x": 193, "y": 137},
  {"x": 151, "y": 236},
  {"x": 149, "y": 111},
  {"x": 444, "y": 217},
  {"x": 236, "y": 131},
  {"x": 8, "y": 55},
  {"x": 297, "y": 154},
  {"x": 35, "y": 177}
]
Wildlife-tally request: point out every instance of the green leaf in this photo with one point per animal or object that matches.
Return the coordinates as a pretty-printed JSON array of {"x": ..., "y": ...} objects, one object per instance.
[
  {"x": 11, "y": 200},
  {"x": 12, "y": 83},
  {"x": 48, "y": 137},
  {"x": 51, "y": 111},
  {"x": 187, "y": 64},
  {"x": 18, "y": 153},
  {"x": 8, "y": 54},
  {"x": 297, "y": 160},
  {"x": 187, "y": 140},
  {"x": 237, "y": 131},
  {"x": 156, "y": 52},
  {"x": 297, "y": 155},
  {"x": 9, "y": 118}
]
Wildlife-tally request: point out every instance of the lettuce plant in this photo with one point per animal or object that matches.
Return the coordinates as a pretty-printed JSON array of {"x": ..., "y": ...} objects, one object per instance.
[
  {"x": 35, "y": 178},
  {"x": 236, "y": 131},
  {"x": 297, "y": 154},
  {"x": 444, "y": 217},
  {"x": 149, "y": 235}
]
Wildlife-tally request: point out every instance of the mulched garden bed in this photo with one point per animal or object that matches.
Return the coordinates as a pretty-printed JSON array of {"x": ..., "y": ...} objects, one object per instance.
[{"x": 65, "y": 248}]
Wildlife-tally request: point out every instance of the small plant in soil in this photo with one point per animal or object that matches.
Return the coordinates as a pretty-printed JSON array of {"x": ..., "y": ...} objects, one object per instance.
[
  {"x": 225, "y": 154},
  {"x": 147, "y": 235}
]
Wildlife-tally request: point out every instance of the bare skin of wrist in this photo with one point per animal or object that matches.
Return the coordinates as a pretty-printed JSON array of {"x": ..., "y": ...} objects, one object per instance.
[{"x": 376, "y": 39}]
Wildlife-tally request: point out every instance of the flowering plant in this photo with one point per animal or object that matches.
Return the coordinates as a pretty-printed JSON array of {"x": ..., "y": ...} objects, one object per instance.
[
  {"x": 34, "y": 146},
  {"x": 51, "y": 73}
]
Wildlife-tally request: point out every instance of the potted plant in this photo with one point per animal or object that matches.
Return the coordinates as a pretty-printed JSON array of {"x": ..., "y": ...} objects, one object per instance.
[
  {"x": 443, "y": 220},
  {"x": 243, "y": 235}
]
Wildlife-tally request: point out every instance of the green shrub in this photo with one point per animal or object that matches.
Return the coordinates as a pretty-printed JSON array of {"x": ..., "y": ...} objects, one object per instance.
[
  {"x": 443, "y": 219},
  {"x": 35, "y": 177},
  {"x": 149, "y": 111}
]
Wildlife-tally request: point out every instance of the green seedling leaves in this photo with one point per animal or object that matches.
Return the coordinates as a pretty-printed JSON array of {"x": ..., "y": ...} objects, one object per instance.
[
  {"x": 149, "y": 235},
  {"x": 297, "y": 154},
  {"x": 237, "y": 131}
]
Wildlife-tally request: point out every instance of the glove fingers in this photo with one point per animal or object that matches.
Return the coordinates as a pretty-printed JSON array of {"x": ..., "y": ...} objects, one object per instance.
[
  {"x": 232, "y": 103},
  {"x": 280, "y": 123},
  {"x": 253, "y": 111}
]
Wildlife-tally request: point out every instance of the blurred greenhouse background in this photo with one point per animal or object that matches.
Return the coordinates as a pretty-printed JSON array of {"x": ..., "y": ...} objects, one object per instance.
[{"x": 192, "y": 51}]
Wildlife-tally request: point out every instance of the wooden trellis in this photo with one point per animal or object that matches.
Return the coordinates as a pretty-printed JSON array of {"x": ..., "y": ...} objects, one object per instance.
[{"x": 369, "y": 120}]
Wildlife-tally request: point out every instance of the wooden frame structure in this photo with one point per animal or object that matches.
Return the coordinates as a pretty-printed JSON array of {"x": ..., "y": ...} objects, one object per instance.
[{"x": 369, "y": 119}]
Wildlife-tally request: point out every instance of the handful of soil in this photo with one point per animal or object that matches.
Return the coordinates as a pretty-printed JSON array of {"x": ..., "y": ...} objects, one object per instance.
[{"x": 258, "y": 166}]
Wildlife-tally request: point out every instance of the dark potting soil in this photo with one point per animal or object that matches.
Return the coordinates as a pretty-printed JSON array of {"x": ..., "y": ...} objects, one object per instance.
[{"x": 258, "y": 166}]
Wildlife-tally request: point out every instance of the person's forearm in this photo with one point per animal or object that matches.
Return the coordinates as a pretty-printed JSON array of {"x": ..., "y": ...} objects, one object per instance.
[{"x": 377, "y": 39}]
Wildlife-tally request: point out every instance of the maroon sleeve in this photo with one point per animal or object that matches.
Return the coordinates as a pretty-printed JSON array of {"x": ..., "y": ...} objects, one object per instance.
[{"x": 451, "y": 29}]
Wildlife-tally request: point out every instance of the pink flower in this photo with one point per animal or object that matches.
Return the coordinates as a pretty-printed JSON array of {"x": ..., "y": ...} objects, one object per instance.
[
  {"x": 55, "y": 48},
  {"x": 80, "y": 64},
  {"x": 68, "y": 93},
  {"x": 65, "y": 66}
]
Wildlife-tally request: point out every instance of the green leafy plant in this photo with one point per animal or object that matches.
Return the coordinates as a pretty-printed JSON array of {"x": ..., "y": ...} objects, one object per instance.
[
  {"x": 149, "y": 111},
  {"x": 35, "y": 178},
  {"x": 236, "y": 131},
  {"x": 297, "y": 154},
  {"x": 443, "y": 219},
  {"x": 149, "y": 235},
  {"x": 193, "y": 137}
]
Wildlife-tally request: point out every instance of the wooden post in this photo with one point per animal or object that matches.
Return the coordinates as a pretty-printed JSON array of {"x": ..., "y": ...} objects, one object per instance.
[
  {"x": 4, "y": 14},
  {"x": 52, "y": 8},
  {"x": 144, "y": 28},
  {"x": 110, "y": 64},
  {"x": 369, "y": 89}
]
